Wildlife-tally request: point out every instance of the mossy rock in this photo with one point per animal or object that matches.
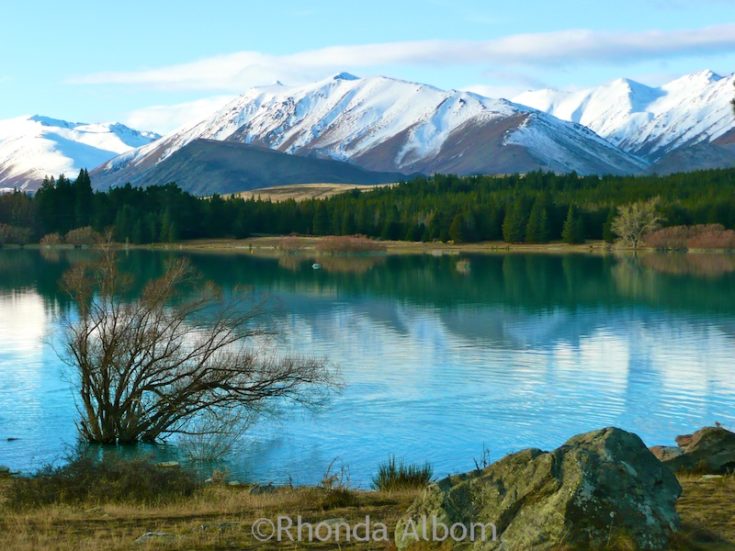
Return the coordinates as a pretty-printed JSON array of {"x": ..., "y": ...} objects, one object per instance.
[{"x": 600, "y": 487}]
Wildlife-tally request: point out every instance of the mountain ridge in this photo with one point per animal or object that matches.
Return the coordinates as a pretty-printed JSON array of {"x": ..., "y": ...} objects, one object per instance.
[
  {"x": 390, "y": 125},
  {"x": 652, "y": 122},
  {"x": 35, "y": 146}
]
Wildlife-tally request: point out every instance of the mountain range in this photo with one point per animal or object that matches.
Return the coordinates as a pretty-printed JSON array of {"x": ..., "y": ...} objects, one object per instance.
[
  {"x": 33, "y": 147},
  {"x": 685, "y": 124},
  {"x": 384, "y": 128},
  {"x": 385, "y": 124}
]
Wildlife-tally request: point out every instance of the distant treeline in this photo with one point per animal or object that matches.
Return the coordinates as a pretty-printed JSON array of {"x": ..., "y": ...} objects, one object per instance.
[{"x": 535, "y": 207}]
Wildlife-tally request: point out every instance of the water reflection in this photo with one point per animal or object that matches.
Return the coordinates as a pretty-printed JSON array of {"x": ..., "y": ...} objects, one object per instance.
[{"x": 440, "y": 354}]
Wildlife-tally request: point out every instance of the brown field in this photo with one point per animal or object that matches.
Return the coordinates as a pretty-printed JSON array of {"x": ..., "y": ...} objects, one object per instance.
[
  {"x": 301, "y": 192},
  {"x": 221, "y": 517}
]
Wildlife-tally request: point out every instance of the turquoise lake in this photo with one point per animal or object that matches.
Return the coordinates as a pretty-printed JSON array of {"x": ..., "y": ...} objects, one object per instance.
[{"x": 441, "y": 356}]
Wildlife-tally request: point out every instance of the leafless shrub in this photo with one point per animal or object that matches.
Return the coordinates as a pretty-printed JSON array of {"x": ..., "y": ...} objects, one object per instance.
[
  {"x": 14, "y": 235},
  {"x": 713, "y": 239},
  {"x": 83, "y": 236},
  {"x": 148, "y": 367},
  {"x": 51, "y": 240},
  {"x": 701, "y": 236}
]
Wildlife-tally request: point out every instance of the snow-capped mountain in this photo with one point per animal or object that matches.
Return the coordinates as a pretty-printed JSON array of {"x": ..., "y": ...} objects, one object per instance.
[
  {"x": 651, "y": 122},
  {"x": 385, "y": 124},
  {"x": 36, "y": 146}
]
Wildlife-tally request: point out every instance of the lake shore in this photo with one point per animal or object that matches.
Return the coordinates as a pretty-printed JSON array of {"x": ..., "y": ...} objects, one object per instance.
[
  {"x": 222, "y": 517},
  {"x": 272, "y": 246}
]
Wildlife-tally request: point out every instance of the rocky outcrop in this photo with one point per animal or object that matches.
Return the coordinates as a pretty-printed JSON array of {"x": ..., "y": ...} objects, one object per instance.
[
  {"x": 599, "y": 489},
  {"x": 710, "y": 450}
]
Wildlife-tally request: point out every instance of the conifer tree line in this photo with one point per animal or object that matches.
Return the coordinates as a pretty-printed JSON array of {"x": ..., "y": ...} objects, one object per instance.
[{"x": 533, "y": 208}]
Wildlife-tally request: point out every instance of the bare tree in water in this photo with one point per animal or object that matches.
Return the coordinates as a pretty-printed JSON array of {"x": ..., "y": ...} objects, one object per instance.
[{"x": 149, "y": 367}]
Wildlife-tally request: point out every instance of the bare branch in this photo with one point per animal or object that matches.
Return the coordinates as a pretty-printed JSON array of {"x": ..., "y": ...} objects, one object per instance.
[{"x": 156, "y": 365}]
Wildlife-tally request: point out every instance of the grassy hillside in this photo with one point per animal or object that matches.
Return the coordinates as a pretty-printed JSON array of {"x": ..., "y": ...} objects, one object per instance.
[
  {"x": 205, "y": 167},
  {"x": 300, "y": 192}
]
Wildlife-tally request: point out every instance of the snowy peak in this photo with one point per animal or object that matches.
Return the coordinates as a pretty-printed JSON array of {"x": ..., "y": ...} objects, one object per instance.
[
  {"x": 345, "y": 76},
  {"x": 36, "y": 146},
  {"x": 647, "y": 121},
  {"x": 388, "y": 125}
]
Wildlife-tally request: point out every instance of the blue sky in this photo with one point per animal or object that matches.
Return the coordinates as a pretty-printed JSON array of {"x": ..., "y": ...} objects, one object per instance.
[{"x": 157, "y": 64}]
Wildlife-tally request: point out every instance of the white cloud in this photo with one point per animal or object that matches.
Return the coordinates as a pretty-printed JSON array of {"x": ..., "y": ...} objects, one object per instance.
[
  {"x": 165, "y": 118},
  {"x": 237, "y": 71}
]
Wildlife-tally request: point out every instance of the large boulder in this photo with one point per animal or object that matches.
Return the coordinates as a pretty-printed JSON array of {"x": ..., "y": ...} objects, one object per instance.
[
  {"x": 710, "y": 450},
  {"x": 602, "y": 489}
]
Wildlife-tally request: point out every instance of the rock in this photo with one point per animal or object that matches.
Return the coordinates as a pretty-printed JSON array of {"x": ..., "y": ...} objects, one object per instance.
[
  {"x": 12, "y": 439},
  {"x": 710, "y": 450},
  {"x": 665, "y": 453},
  {"x": 233, "y": 483},
  {"x": 154, "y": 536},
  {"x": 168, "y": 464},
  {"x": 600, "y": 487}
]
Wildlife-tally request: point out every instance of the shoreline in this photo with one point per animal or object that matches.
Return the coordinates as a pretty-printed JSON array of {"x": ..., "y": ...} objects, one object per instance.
[
  {"x": 270, "y": 246},
  {"x": 308, "y": 245}
]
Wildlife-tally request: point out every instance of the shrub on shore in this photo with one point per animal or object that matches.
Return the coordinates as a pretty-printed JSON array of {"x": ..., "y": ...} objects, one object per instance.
[
  {"x": 700, "y": 236},
  {"x": 85, "y": 480},
  {"x": 83, "y": 236},
  {"x": 349, "y": 244},
  {"x": 14, "y": 235},
  {"x": 393, "y": 476},
  {"x": 51, "y": 240}
]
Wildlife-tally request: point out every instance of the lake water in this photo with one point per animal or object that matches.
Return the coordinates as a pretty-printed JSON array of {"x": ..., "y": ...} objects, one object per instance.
[{"x": 441, "y": 356}]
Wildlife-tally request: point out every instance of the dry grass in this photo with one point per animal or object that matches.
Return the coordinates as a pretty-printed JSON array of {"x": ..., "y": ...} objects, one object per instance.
[
  {"x": 301, "y": 192},
  {"x": 221, "y": 518}
]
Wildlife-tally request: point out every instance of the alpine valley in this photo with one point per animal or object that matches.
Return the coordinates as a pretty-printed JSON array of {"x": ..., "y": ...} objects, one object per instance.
[{"x": 346, "y": 129}]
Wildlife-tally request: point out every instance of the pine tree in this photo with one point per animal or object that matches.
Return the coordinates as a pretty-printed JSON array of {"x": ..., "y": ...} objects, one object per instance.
[
  {"x": 168, "y": 232},
  {"x": 82, "y": 199},
  {"x": 320, "y": 222},
  {"x": 348, "y": 223},
  {"x": 123, "y": 224},
  {"x": 414, "y": 232},
  {"x": 456, "y": 229},
  {"x": 607, "y": 233},
  {"x": 537, "y": 229},
  {"x": 514, "y": 223},
  {"x": 573, "y": 231}
]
